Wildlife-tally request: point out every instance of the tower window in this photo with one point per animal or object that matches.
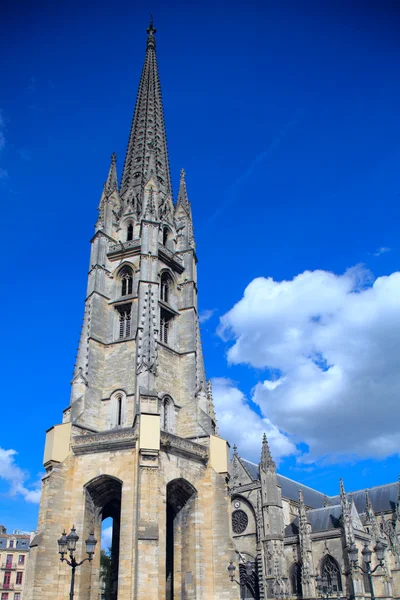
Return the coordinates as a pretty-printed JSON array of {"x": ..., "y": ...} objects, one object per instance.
[
  {"x": 165, "y": 236},
  {"x": 165, "y": 326},
  {"x": 124, "y": 321},
  {"x": 119, "y": 419},
  {"x": 117, "y": 409},
  {"x": 129, "y": 232},
  {"x": 165, "y": 285},
  {"x": 167, "y": 414},
  {"x": 126, "y": 277}
]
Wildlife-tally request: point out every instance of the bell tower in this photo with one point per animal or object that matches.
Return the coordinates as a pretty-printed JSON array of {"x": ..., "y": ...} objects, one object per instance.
[{"x": 138, "y": 441}]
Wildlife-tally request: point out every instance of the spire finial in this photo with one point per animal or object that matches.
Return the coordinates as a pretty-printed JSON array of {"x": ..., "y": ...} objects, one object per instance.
[
  {"x": 183, "y": 174},
  {"x": 151, "y": 29},
  {"x": 235, "y": 449}
]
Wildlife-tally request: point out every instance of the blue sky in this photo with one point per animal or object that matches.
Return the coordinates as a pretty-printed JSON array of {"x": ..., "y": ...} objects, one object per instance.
[{"x": 285, "y": 117}]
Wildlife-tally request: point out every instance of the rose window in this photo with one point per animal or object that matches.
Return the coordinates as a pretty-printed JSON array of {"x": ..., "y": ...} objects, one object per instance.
[{"x": 239, "y": 521}]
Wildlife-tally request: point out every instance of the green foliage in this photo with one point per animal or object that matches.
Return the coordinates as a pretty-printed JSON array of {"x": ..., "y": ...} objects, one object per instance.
[{"x": 105, "y": 572}]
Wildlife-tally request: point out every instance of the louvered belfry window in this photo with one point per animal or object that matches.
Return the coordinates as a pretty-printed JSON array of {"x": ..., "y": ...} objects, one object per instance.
[
  {"x": 124, "y": 322},
  {"x": 165, "y": 322}
]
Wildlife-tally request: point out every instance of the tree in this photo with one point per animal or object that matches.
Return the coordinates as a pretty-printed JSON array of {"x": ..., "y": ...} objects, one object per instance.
[{"x": 105, "y": 574}]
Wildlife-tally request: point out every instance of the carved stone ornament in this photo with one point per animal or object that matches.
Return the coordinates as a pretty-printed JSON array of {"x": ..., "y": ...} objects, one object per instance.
[{"x": 240, "y": 521}]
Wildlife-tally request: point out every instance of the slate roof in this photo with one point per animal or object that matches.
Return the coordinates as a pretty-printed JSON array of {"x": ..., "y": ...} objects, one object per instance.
[
  {"x": 290, "y": 488},
  {"x": 320, "y": 519},
  {"x": 383, "y": 497}
]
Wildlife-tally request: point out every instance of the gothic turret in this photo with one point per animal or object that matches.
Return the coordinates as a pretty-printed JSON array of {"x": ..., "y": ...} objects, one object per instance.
[{"x": 273, "y": 524}]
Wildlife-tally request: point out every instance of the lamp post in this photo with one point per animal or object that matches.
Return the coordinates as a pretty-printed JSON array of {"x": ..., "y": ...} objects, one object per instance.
[
  {"x": 324, "y": 587},
  {"x": 367, "y": 556},
  {"x": 67, "y": 545},
  {"x": 246, "y": 577}
]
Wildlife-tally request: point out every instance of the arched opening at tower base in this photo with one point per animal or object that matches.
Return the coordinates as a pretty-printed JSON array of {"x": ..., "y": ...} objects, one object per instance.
[
  {"x": 103, "y": 501},
  {"x": 180, "y": 540}
]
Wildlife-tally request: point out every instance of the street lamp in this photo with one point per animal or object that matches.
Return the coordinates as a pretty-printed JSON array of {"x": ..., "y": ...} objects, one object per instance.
[
  {"x": 325, "y": 588},
  {"x": 67, "y": 545},
  {"x": 246, "y": 577},
  {"x": 367, "y": 556}
]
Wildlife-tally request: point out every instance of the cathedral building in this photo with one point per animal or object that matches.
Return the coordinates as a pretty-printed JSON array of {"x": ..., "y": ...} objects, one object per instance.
[{"x": 139, "y": 443}]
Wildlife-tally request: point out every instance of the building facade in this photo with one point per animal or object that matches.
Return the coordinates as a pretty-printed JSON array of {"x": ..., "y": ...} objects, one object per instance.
[
  {"x": 138, "y": 442},
  {"x": 293, "y": 534},
  {"x": 14, "y": 556}
]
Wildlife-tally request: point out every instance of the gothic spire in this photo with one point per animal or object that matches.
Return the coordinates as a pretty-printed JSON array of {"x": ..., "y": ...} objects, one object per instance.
[
  {"x": 147, "y": 134},
  {"x": 346, "y": 515},
  {"x": 111, "y": 183},
  {"x": 371, "y": 521},
  {"x": 266, "y": 457}
]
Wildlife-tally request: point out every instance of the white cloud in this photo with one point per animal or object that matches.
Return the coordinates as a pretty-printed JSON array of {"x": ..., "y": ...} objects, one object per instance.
[
  {"x": 206, "y": 315},
  {"x": 332, "y": 343},
  {"x": 106, "y": 537},
  {"x": 381, "y": 250},
  {"x": 16, "y": 478},
  {"x": 239, "y": 424}
]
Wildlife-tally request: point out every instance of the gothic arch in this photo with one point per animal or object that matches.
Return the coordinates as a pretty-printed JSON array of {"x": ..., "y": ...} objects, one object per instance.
[
  {"x": 167, "y": 413},
  {"x": 181, "y": 536},
  {"x": 295, "y": 579},
  {"x": 330, "y": 568},
  {"x": 166, "y": 286},
  {"x": 167, "y": 236},
  {"x": 103, "y": 495},
  {"x": 125, "y": 276},
  {"x": 239, "y": 523},
  {"x": 117, "y": 409}
]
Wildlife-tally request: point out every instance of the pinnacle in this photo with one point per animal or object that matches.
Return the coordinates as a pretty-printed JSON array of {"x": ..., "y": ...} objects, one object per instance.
[
  {"x": 266, "y": 457},
  {"x": 111, "y": 183}
]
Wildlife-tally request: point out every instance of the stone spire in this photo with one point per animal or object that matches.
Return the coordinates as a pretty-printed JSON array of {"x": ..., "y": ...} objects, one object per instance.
[
  {"x": 147, "y": 136},
  {"x": 183, "y": 216},
  {"x": 267, "y": 462},
  {"x": 371, "y": 521},
  {"x": 211, "y": 408},
  {"x": 111, "y": 183},
  {"x": 346, "y": 515}
]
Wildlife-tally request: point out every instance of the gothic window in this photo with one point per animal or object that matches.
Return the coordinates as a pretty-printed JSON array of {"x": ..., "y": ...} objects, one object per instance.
[
  {"x": 167, "y": 414},
  {"x": 129, "y": 232},
  {"x": 126, "y": 277},
  {"x": 124, "y": 325},
  {"x": 295, "y": 579},
  {"x": 330, "y": 569},
  {"x": 118, "y": 401},
  {"x": 165, "y": 286},
  {"x": 165, "y": 236},
  {"x": 165, "y": 326},
  {"x": 239, "y": 521}
]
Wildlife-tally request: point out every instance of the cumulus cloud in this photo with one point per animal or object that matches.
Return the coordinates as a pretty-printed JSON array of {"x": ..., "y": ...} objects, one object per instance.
[
  {"x": 206, "y": 315},
  {"x": 330, "y": 347},
  {"x": 106, "y": 537},
  {"x": 239, "y": 424},
  {"x": 16, "y": 478}
]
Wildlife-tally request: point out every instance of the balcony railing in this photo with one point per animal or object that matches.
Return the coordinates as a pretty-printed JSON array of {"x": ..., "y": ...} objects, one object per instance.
[
  {"x": 6, "y": 586},
  {"x": 9, "y": 566}
]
